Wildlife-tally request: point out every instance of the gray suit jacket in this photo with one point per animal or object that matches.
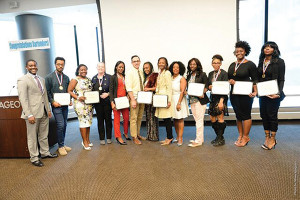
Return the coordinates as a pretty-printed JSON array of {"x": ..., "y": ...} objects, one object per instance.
[{"x": 32, "y": 101}]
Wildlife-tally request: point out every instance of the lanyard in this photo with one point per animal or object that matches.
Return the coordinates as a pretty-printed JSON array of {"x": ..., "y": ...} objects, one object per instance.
[{"x": 237, "y": 65}]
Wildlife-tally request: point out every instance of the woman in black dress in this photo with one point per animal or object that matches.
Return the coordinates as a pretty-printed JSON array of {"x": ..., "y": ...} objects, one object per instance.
[
  {"x": 218, "y": 103},
  {"x": 270, "y": 67},
  {"x": 242, "y": 70}
]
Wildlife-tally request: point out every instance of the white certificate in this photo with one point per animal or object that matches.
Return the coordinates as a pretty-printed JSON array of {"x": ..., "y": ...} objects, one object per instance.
[
  {"x": 242, "y": 87},
  {"x": 62, "y": 98},
  {"x": 91, "y": 97},
  {"x": 160, "y": 101},
  {"x": 220, "y": 87},
  {"x": 267, "y": 88},
  {"x": 121, "y": 103},
  {"x": 195, "y": 89},
  {"x": 144, "y": 97}
]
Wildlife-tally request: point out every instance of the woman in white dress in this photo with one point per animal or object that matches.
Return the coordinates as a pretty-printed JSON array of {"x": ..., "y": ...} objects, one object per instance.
[{"x": 179, "y": 102}]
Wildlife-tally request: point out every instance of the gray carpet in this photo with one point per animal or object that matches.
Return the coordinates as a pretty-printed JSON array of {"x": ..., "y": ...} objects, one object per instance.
[{"x": 151, "y": 171}]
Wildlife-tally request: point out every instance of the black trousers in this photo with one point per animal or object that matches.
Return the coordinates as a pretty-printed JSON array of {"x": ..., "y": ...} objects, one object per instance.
[
  {"x": 269, "y": 113},
  {"x": 168, "y": 124},
  {"x": 103, "y": 112}
]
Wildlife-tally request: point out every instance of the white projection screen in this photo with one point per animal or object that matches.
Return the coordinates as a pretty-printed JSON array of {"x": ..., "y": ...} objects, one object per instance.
[{"x": 176, "y": 29}]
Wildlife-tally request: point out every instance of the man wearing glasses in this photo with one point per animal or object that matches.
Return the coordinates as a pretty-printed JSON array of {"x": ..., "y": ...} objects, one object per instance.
[{"x": 134, "y": 83}]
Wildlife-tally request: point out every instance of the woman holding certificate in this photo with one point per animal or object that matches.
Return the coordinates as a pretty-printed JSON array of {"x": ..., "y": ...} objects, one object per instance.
[
  {"x": 84, "y": 111},
  {"x": 242, "y": 76},
  {"x": 270, "y": 67},
  {"x": 195, "y": 74},
  {"x": 164, "y": 87},
  {"x": 150, "y": 78},
  {"x": 103, "y": 109},
  {"x": 179, "y": 102},
  {"x": 116, "y": 90},
  {"x": 218, "y": 100}
]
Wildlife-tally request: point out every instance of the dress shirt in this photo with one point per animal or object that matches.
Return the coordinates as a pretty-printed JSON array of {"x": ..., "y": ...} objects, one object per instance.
[{"x": 132, "y": 81}]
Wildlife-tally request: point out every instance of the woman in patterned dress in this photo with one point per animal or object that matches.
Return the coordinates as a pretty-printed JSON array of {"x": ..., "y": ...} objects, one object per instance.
[
  {"x": 76, "y": 88},
  {"x": 150, "y": 78}
]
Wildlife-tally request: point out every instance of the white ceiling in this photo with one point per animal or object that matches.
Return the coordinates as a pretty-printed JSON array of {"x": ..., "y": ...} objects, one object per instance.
[{"x": 79, "y": 14}]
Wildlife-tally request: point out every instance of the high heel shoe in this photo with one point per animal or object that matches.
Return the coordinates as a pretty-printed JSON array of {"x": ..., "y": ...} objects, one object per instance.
[
  {"x": 243, "y": 142},
  {"x": 86, "y": 148},
  {"x": 238, "y": 141},
  {"x": 127, "y": 138},
  {"x": 121, "y": 143},
  {"x": 167, "y": 142},
  {"x": 179, "y": 142},
  {"x": 273, "y": 147}
]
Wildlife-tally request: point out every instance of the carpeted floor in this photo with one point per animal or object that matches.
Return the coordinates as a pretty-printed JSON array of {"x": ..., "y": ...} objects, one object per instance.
[{"x": 151, "y": 171}]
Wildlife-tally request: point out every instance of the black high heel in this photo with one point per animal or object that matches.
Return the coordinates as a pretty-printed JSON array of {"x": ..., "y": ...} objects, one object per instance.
[
  {"x": 127, "y": 138},
  {"x": 121, "y": 143}
]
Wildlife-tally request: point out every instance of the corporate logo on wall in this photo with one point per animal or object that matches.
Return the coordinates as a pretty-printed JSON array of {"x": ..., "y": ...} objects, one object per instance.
[
  {"x": 30, "y": 44},
  {"x": 9, "y": 104}
]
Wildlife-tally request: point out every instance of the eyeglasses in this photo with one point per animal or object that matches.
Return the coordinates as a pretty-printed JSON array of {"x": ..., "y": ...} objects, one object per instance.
[
  {"x": 216, "y": 63},
  {"x": 136, "y": 61},
  {"x": 61, "y": 65}
]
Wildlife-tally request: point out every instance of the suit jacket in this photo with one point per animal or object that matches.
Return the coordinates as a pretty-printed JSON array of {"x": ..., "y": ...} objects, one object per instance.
[
  {"x": 33, "y": 102},
  {"x": 113, "y": 87}
]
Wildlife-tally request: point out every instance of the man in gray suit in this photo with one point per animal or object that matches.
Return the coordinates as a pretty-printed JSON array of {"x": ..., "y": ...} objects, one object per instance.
[{"x": 36, "y": 112}]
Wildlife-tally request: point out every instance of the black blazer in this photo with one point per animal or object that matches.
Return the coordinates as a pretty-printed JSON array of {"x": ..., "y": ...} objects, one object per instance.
[
  {"x": 113, "y": 87},
  {"x": 201, "y": 78}
]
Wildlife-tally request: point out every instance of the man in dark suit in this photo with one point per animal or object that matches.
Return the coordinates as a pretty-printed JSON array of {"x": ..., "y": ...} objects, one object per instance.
[{"x": 36, "y": 112}]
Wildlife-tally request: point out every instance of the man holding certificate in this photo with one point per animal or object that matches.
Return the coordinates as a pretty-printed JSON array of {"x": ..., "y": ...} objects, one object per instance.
[
  {"x": 134, "y": 83},
  {"x": 270, "y": 67},
  {"x": 242, "y": 74},
  {"x": 57, "y": 84}
]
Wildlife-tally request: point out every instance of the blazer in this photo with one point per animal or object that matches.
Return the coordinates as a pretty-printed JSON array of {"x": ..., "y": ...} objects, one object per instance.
[
  {"x": 113, "y": 87},
  {"x": 200, "y": 78},
  {"x": 32, "y": 101},
  {"x": 151, "y": 80}
]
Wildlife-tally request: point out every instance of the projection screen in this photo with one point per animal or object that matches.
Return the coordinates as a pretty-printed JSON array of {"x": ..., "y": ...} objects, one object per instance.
[{"x": 176, "y": 29}]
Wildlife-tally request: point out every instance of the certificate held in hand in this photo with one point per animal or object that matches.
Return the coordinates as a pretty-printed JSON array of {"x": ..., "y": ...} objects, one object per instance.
[
  {"x": 242, "y": 87},
  {"x": 62, "y": 98},
  {"x": 160, "y": 101},
  {"x": 121, "y": 103},
  {"x": 267, "y": 88},
  {"x": 195, "y": 89},
  {"x": 144, "y": 97},
  {"x": 220, "y": 87},
  {"x": 91, "y": 97}
]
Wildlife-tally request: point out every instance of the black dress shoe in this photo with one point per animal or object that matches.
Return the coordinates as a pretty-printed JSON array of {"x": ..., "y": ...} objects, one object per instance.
[
  {"x": 121, "y": 143},
  {"x": 38, "y": 163},
  {"x": 127, "y": 138},
  {"x": 50, "y": 156}
]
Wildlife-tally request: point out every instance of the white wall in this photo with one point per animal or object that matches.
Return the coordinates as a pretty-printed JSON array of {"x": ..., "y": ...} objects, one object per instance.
[{"x": 176, "y": 29}]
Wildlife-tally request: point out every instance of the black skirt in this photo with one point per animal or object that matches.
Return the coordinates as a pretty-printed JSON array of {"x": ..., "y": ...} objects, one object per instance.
[{"x": 213, "y": 109}]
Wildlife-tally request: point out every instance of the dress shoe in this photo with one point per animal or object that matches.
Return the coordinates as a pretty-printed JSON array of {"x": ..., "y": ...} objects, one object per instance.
[
  {"x": 102, "y": 142},
  {"x": 62, "y": 151},
  {"x": 91, "y": 144},
  {"x": 141, "y": 137},
  {"x": 136, "y": 141},
  {"x": 38, "y": 163},
  {"x": 127, "y": 137},
  {"x": 244, "y": 141},
  {"x": 121, "y": 143},
  {"x": 50, "y": 156},
  {"x": 68, "y": 149},
  {"x": 86, "y": 148},
  {"x": 108, "y": 141},
  {"x": 195, "y": 144}
]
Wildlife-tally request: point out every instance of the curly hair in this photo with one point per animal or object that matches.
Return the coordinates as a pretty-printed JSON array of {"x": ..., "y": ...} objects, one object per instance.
[
  {"x": 117, "y": 64},
  {"x": 79, "y": 66},
  {"x": 244, "y": 45},
  {"x": 181, "y": 67},
  {"x": 217, "y": 56},
  {"x": 199, "y": 69},
  {"x": 275, "y": 54}
]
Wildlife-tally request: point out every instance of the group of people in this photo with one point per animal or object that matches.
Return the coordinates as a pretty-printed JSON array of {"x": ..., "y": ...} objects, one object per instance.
[{"x": 169, "y": 81}]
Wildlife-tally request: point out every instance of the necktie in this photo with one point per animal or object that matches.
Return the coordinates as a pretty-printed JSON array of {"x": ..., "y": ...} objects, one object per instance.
[
  {"x": 39, "y": 83},
  {"x": 141, "y": 84}
]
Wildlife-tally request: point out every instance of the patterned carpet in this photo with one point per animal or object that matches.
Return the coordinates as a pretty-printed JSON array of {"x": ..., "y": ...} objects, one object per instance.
[{"x": 151, "y": 171}]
